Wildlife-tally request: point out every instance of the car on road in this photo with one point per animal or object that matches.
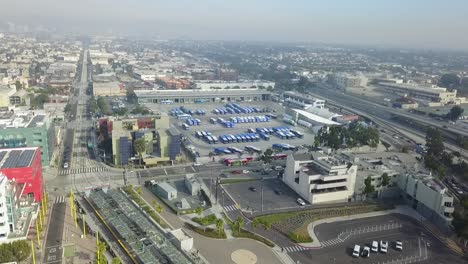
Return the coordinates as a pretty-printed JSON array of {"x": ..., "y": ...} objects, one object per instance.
[
  {"x": 356, "y": 251},
  {"x": 375, "y": 246},
  {"x": 399, "y": 245},
  {"x": 65, "y": 165},
  {"x": 278, "y": 192},
  {"x": 253, "y": 189},
  {"x": 383, "y": 246},
  {"x": 236, "y": 172},
  {"x": 365, "y": 252},
  {"x": 197, "y": 164},
  {"x": 300, "y": 201},
  {"x": 278, "y": 168},
  {"x": 224, "y": 175}
]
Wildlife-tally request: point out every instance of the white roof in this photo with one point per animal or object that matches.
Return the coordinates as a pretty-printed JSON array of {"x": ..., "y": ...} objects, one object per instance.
[{"x": 316, "y": 118}]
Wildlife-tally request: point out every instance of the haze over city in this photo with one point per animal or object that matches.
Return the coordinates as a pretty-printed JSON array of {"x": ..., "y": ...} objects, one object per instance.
[
  {"x": 233, "y": 132},
  {"x": 408, "y": 24}
]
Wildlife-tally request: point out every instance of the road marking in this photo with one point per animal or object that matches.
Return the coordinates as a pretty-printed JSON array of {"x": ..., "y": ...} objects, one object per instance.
[
  {"x": 59, "y": 199},
  {"x": 392, "y": 234},
  {"x": 229, "y": 208},
  {"x": 165, "y": 172}
]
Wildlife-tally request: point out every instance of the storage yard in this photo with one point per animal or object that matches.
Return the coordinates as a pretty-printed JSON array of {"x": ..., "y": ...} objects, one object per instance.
[{"x": 234, "y": 129}]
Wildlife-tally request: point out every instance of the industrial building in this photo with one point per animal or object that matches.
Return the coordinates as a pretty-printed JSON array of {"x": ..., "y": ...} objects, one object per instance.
[
  {"x": 28, "y": 129},
  {"x": 344, "y": 81},
  {"x": 245, "y": 84},
  {"x": 16, "y": 210},
  {"x": 427, "y": 93},
  {"x": 25, "y": 167},
  {"x": 320, "y": 178},
  {"x": 428, "y": 196},
  {"x": 199, "y": 96},
  {"x": 302, "y": 101}
]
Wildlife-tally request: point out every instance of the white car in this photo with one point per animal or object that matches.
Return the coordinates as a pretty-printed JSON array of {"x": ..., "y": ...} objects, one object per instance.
[
  {"x": 375, "y": 246},
  {"x": 65, "y": 165},
  {"x": 300, "y": 201},
  {"x": 356, "y": 251},
  {"x": 398, "y": 245},
  {"x": 365, "y": 252},
  {"x": 383, "y": 246},
  {"x": 197, "y": 164}
]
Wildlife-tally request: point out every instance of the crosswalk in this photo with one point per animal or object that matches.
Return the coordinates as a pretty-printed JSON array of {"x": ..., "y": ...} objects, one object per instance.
[
  {"x": 331, "y": 242},
  {"x": 229, "y": 208},
  {"x": 294, "y": 249},
  {"x": 59, "y": 199},
  {"x": 83, "y": 170}
]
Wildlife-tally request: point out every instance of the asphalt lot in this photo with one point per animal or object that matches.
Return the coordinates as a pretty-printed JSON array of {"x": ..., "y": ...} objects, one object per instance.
[
  {"x": 217, "y": 129},
  {"x": 53, "y": 246},
  {"x": 417, "y": 242},
  {"x": 252, "y": 200}
]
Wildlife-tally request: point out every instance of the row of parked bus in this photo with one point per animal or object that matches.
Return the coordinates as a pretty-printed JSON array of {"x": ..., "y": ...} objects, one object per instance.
[
  {"x": 233, "y": 108},
  {"x": 249, "y": 119},
  {"x": 207, "y": 137},
  {"x": 233, "y": 150},
  {"x": 238, "y": 138},
  {"x": 282, "y": 146},
  {"x": 183, "y": 110}
]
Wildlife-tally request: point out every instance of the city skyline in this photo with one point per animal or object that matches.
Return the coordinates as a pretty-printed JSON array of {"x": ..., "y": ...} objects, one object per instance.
[{"x": 419, "y": 24}]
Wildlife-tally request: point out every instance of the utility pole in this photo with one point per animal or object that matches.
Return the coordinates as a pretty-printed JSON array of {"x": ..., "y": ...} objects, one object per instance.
[{"x": 262, "y": 194}]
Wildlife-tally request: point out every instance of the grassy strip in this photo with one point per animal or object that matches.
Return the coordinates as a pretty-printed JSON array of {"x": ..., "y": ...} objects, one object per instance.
[
  {"x": 205, "y": 221},
  {"x": 226, "y": 181},
  {"x": 300, "y": 238},
  {"x": 208, "y": 232},
  {"x": 138, "y": 200},
  {"x": 227, "y": 220},
  {"x": 247, "y": 234}
]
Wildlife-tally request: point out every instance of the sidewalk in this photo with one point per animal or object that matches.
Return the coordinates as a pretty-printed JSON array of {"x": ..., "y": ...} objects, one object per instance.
[{"x": 76, "y": 249}]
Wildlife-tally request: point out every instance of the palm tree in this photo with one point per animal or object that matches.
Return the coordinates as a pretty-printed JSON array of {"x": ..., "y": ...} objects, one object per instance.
[
  {"x": 239, "y": 223},
  {"x": 255, "y": 222},
  {"x": 219, "y": 225},
  {"x": 140, "y": 147}
]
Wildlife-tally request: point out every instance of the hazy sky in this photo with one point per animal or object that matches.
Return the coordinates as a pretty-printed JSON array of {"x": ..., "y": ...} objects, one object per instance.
[{"x": 411, "y": 23}]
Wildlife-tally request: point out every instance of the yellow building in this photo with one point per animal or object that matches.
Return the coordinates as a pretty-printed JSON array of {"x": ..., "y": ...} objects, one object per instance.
[{"x": 5, "y": 93}]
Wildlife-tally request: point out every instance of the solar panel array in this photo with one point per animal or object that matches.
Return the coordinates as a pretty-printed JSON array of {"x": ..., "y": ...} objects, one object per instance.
[
  {"x": 18, "y": 158},
  {"x": 2, "y": 155}
]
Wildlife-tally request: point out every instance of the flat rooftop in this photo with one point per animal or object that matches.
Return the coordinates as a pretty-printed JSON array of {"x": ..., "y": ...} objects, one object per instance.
[
  {"x": 17, "y": 158},
  {"x": 199, "y": 93},
  {"x": 24, "y": 119},
  {"x": 428, "y": 89}
]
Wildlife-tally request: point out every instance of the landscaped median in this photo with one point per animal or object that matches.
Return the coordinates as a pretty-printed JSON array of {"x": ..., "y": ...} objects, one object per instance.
[
  {"x": 238, "y": 231},
  {"x": 205, "y": 221},
  {"x": 206, "y": 231},
  {"x": 143, "y": 205},
  {"x": 294, "y": 224}
]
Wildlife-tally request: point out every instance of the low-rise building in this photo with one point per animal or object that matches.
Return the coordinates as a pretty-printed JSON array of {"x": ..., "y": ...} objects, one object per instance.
[
  {"x": 192, "y": 184},
  {"x": 181, "y": 239},
  {"x": 166, "y": 191},
  {"x": 428, "y": 196},
  {"x": 28, "y": 129},
  {"x": 302, "y": 101},
  {"x": 320, "y": 178},
  {"x": 244, "y": 84},
  {"x": 428, "y": 93}
]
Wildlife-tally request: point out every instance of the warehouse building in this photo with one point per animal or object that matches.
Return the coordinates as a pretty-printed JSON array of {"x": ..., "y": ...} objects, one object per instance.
[{"x": 196, "y": 96}]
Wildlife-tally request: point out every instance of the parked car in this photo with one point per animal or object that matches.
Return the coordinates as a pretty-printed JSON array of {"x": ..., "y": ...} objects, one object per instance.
[
  {"x": 278, "y": 192},
  {"x": 253, "y": 189},
  {"x": 399, "y": 245},
  {"x": 356, "y": 251},
  {"x": 365, "y": 252},
  {"x": 224, "y": 175},
  {"x": 236, "y": 172},
  {"x": 383, "y": 246},
  {"x": 375, "y": 246},
  {"x": 300, "y": 201}
]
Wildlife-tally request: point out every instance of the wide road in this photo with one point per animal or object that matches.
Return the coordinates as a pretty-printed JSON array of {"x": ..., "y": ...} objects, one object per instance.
[
  {"x": 374, "y": 111},
  {"x": 53, "y": 246}
]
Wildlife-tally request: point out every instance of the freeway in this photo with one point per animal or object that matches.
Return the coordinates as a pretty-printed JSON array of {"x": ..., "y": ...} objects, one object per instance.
[{"x": 379, "y": 114}]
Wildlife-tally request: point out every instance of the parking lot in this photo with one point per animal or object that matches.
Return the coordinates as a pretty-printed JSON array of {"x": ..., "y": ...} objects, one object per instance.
[
  {"x": 276, "y": 195},
  {"x": 339, "y": 238},
  {"x": 217, "y": 129}
]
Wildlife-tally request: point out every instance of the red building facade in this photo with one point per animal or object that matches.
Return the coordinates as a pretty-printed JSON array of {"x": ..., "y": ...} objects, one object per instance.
[{"x": 25, "y": 166}]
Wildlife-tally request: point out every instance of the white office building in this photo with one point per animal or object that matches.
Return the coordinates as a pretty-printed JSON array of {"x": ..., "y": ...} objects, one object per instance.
[
  {"x": 428, "y": 196},
  {"x": 320, "y": 178}
]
